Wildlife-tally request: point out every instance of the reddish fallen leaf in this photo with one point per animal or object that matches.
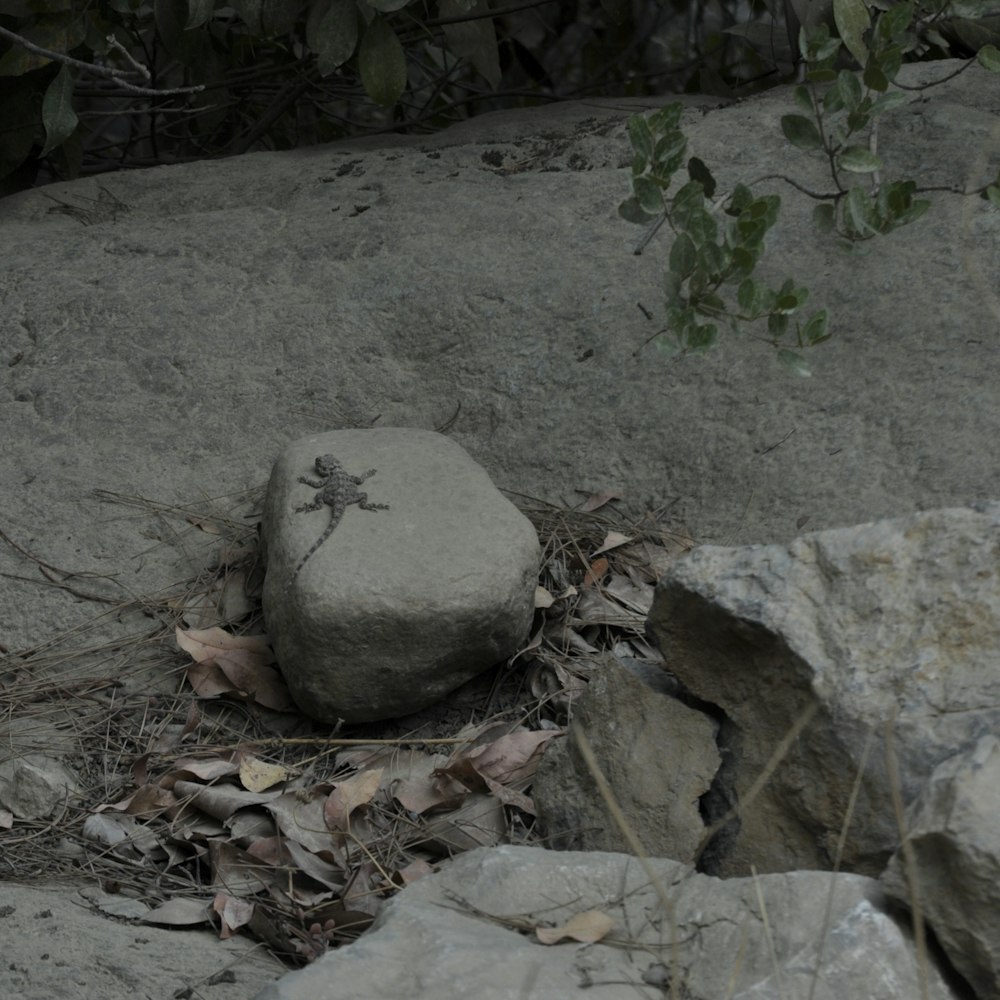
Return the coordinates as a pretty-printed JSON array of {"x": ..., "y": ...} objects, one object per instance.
[
  {"x": 151, "y": 800},
  {"x": 595, "y": 572},
  {"x": 588, "y": 927},
  {"x": 414, "y": 871},
  {"x": 514, "y": 757},
  {"x": 233, "y": 913},
  {"x": 234, "y": 664},
  {"x": 430, "y": 794}
]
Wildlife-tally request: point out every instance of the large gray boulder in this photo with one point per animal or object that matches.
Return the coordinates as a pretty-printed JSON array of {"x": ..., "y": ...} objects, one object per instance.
[
  {"x": 470, "y": 931},
  {"x": 885, "y": 629}
]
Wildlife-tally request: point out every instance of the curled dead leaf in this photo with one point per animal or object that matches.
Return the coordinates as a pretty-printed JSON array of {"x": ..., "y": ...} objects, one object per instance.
[
  {"x": 590, "y": 926},
  {"x": 257, "y": 775}
]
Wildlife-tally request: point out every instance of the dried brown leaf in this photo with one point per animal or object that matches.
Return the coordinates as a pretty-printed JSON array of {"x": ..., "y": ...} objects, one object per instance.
[
  {"x": 233, "y": 664},
  {"x": 514, "y": 757},
  {"x": 258, "y": 775},
  {"x": 349, "y": 795},
  {"x": 233, "y": 913}
]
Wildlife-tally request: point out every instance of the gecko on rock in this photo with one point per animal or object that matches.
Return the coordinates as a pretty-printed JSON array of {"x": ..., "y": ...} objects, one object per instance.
[{"x": 337, "y": 490}]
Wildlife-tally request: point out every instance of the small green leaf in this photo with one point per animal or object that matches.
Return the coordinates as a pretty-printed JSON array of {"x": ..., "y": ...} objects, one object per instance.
[
  {"x": 697, "y": 171},
  {"x": 701, "y": 338},
  {"x": 58, "y": 116},
  {"x": 849, "y": 89},
  {"x": 795, "y": 363},
  {"x": 803, "y": 99},
  {"x": 820, "y": 75},
  {"x": 888, "y": 101},
  {"x": 814, "y": 331},
  {"x": 894, "y": 22},
  {"x": 382, "y": 63},
  {"x": 860, "y": 213},
  {"x": 741, "y": 263},
  {"x": 777, "y": 324},
  {"x": 712, "y": 260},
  {"x": 667, "y": 118},
  {"x": 859, "y": 160},
  {"x": 992, "y": 195},
  {"x": 989, "y": 58},
  {"x": 672, "y": 287},
  {"x": 740, "y": 199},
  {"x": 641, "y": 136},
  {"x": 336, "y": 36},
  {"x": 649, "y": 195},
  {"x": 890, "y": 62},
  {"x": 874, "y": 78},
  {"x": 824, "y": 217},
  {"x": 631, "y": 211},
  {"x": 801, "y": 132},
  {"x": 682, "y": 255},
  {"x": 852, "y": 20}
]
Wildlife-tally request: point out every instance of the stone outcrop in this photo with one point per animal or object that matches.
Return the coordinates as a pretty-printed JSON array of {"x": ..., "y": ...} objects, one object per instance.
[
  {"x": 885, "y": 629},
  {"x": 470, "y": 931},
  {"x": 658, "y": 756},
  {"x": 953, "y": 838}
]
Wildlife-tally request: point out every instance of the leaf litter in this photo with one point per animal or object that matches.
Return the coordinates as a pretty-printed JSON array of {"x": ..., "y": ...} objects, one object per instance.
[{"x": 209, "y": 799}]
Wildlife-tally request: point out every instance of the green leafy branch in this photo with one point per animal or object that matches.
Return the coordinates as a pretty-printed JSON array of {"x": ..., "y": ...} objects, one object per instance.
[
  {"x": 706, "y": 256},
  {"x": 839, "y": 121}
]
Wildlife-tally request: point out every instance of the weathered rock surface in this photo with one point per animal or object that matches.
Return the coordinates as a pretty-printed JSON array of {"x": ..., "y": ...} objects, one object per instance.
[
  {"x": 57, "y": 946},
  {"x": 396, "y": 608},
  {"x": 468, "y": 932},
  {"x": 658, "y": 755},
  {"x": 481, "y": 274},
  {"x": 953, "y": 832},
  {"x": 895, "y": 623}
]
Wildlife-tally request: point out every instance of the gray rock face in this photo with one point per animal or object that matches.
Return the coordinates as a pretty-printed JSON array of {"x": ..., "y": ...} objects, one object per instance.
[
  {"x": 895, "y": 623},
  {"x": 658, "y": 756},
  {"x": 398, "y": 607},
  {"x": 468, "y": 932},
  {"x": 953, "y": 832}
]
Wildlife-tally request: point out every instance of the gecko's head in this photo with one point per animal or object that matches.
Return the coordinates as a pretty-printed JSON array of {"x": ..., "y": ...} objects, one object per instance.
[{"x": 325, "y": 464}]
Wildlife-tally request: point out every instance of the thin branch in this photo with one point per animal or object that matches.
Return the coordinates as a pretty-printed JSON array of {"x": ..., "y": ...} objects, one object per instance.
[{"x": 117, "y": 75}]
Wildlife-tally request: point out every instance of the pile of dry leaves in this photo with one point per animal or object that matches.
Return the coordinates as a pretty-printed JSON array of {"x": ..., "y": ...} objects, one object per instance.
[{"x": 212, "y": 801}]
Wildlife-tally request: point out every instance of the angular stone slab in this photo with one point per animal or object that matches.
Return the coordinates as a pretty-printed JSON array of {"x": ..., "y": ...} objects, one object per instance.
[
  {"x": 893, "y": 625},
  {"x": 397, "y": 607},
  {"x": 468, "y": 932},
  {"x": 637, "y": 735}
]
